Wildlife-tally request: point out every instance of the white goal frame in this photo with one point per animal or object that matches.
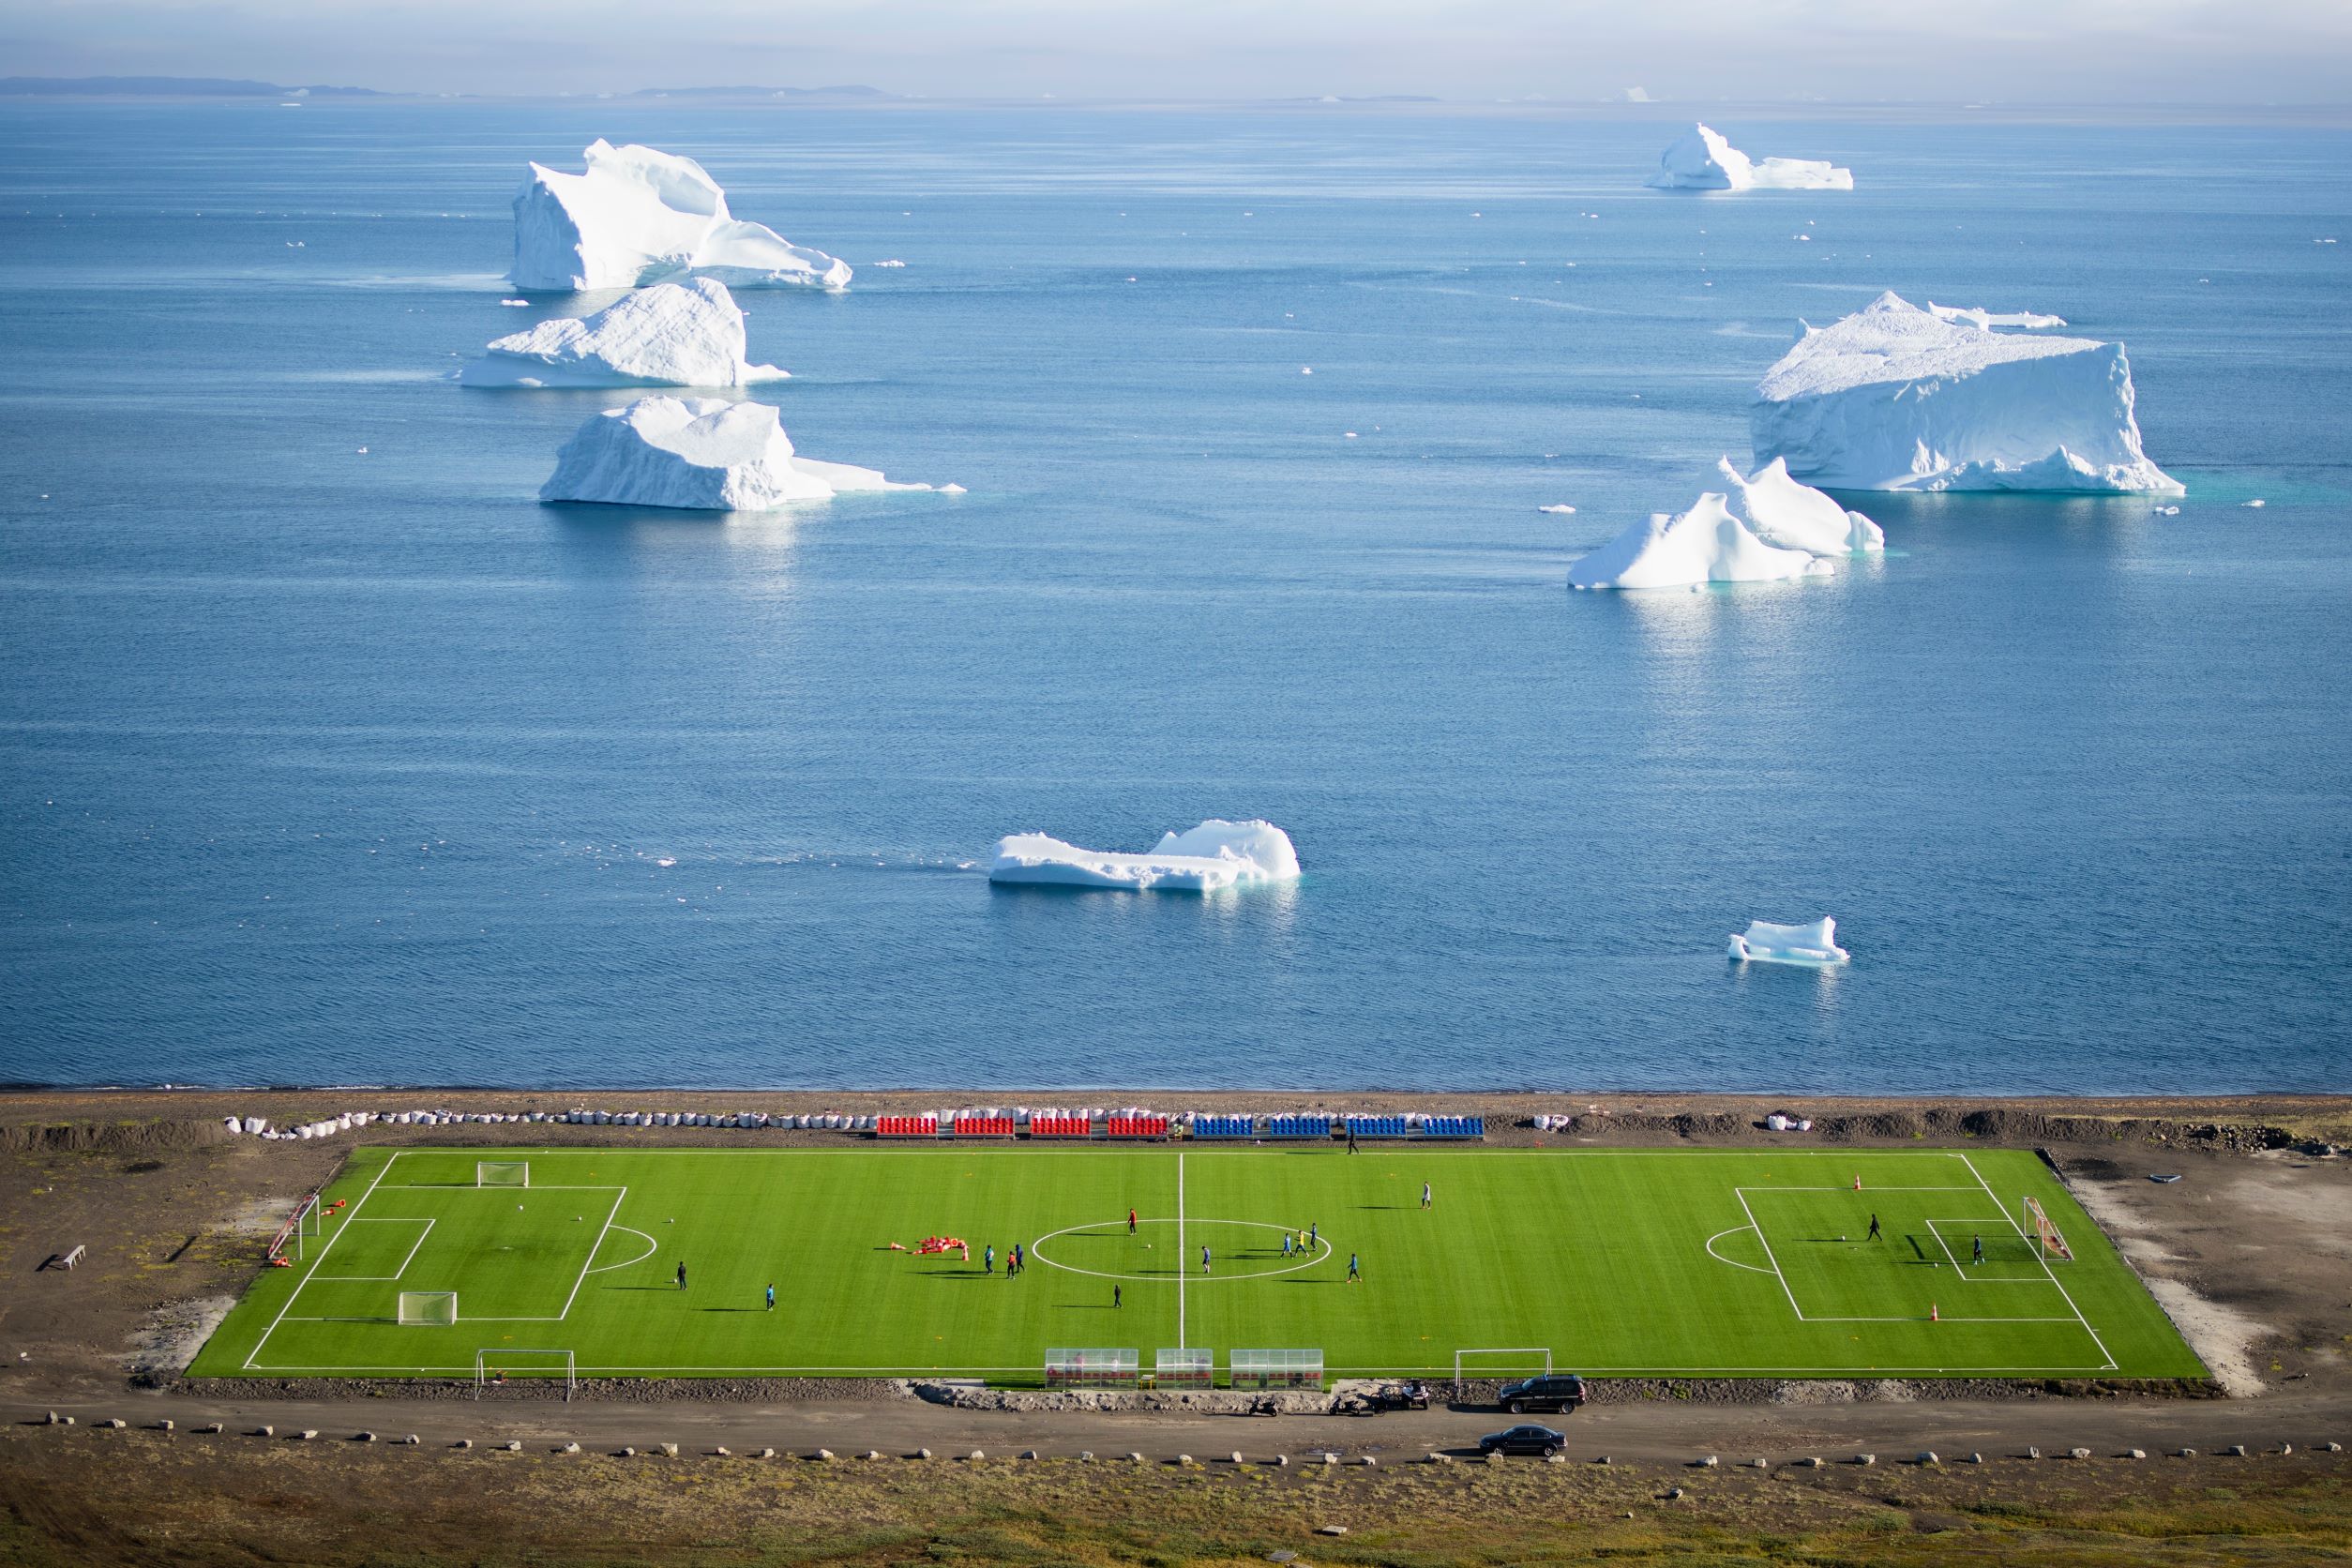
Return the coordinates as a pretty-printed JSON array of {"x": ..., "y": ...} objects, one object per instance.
[
  {"x": 1543, "y": 1350},
  {"x": 482, "y": 1368},
  {"x": 483, "y": 1168},
  {"x": 2049, "y": 1242},
  {"x": 418, "y": 1318}
]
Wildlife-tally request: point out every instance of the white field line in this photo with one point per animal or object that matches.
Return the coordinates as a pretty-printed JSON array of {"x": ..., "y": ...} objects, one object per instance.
[
  {"x": 1631, "y": 1369},
  {"x": 2035, "y": 1246},
  {"x": 255, "y": 1353},
  {"x": 652, "y": 1246},
  {"x": 1784, "y": 1290},
  {"x": 378, "y": 1279},
  {"x": 594, "y": 1247},
  {"x": 1180, "y": 1254},
  {"x": 1733, "y": 1261}
]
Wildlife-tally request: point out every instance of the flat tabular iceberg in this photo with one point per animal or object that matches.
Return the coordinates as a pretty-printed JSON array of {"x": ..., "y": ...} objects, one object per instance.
[
  {"x": 1703, "y": 161},
  {"x": 1798, "y": 516},
  {"x": 638, "y": 216},
  {"x": 1216, "y": 854},
  {"x": 685, "y": 334},
  {"x": 1764, "y": 942},
  {"x": 1978, "y": 316},
  {"x": 1895, "y": 397},
  {"x": 1706, "y": 544},
  {"x": 701, "y": 454}
]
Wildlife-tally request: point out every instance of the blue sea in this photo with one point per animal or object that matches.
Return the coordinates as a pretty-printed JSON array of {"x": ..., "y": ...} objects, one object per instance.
[{"x": 327, "y": 754}]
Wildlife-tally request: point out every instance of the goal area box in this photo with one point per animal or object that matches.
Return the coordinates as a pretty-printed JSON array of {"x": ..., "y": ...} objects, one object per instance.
[
  {"x": 502, "y": 1173},
  {"x": 1094, "y": 1368},
  {"x": 1277, "y": 1368}
]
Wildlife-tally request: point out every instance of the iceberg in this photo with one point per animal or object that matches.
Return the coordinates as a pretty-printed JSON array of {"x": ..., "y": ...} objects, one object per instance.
[
  {"x": 1706, "y": 544},
  {"x": 1990, "y": 319},
  {"x": 638, "y": 216},
  {"x": 671, "y": 335},
  {"x": 1703, "y": 161},
  {"x": 1895, "y": 397},
  {"x": 1215, "y": 855},
  {"x": 698, "y": 454},
  {"x": 1763, "y": 943},
  {"x": 1798, "y": 516}
]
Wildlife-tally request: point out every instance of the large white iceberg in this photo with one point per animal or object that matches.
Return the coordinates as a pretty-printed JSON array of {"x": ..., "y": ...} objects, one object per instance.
[
  {"x": 1703, "y": 161},
  {"x": 638, "y": 216},
  {"x": 1798, "y": 516},
  {"x": 685, "y": 334},
  {"x": 1706, "y": 544},
  {"x": 1215, "y": 855},
  {"x": 701, "y": 454},
  {"x": 1763, "y": 943},
  {"x": 1895, "y": 397}
]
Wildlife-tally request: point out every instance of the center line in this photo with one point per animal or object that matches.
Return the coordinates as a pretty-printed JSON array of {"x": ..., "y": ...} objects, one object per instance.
[{"x": 1179, "y": 1248}]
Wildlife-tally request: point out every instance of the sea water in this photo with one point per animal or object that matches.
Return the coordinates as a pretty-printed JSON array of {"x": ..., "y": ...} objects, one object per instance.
[{"x": 327, "y": 754}]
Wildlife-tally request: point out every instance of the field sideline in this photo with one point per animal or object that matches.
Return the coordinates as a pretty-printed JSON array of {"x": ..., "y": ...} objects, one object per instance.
[{"x": 1659, "y": 1262}]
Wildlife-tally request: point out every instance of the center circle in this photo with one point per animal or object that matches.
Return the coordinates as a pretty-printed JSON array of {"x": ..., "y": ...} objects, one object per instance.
[{"x": 1238, "y": 1249}]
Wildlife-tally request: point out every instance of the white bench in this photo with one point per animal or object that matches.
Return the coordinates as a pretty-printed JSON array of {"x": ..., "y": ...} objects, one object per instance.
[{"x": 70, "y": 1258}]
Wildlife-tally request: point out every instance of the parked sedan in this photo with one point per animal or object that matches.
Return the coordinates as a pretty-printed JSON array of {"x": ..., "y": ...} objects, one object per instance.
[{"x": 1523, "y": 1439}]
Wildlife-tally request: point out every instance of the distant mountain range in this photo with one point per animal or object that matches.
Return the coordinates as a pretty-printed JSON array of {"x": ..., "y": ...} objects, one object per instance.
[
  {"x": 163, "y": 86},
  {"x": 762, "y": 92}
]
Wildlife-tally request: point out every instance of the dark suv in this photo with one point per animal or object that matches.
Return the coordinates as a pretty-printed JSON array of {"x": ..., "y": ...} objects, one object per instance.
[{"x": 1562, "y": 1392}]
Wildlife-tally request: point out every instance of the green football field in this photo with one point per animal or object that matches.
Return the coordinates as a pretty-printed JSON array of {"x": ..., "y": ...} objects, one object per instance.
[{"x": 1616, "y": 1261}]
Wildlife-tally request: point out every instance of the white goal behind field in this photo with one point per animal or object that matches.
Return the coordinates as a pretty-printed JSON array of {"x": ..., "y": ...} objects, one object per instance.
[
  {"x": 493, "y": 1366},
  {"x": 502, "y": 1173},
  {"x": 2048, "y": 1242},
  {"x": 428, "y": 1308}
]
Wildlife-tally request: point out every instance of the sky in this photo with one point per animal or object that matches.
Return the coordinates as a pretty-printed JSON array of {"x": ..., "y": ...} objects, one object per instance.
[{"x": 2090, "y": 52}]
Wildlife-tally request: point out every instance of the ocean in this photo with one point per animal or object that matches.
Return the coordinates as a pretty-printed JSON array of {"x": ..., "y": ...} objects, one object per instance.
[{"x": 328, "y": 754}]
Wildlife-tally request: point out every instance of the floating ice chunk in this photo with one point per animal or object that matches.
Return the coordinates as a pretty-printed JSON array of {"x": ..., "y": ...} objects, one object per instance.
[
  {"x": 701, "y": 454},
  {"x": 1798, "y": 516},
  {"x": 1703, "y": 161},
  {"x": 2257, "y": 500},
  {"x": 637, "y": 215},
  {"x": 516, "y": 304},
  {"x": 685, "y": 334},
  {"x": 1562, "y": 510},
  {"x": 1706, "y": 544},
  {"x": 892, "y": 262},
  {"x": 1215, "y": 855},
  {"x": 1990, "y": 319},
  {"x": 1764, "y": 942},
  {"x": 1895, "y": 397}
]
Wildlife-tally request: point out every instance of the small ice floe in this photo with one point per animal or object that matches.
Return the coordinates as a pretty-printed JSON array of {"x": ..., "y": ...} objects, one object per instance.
[
  {"x": 1350, "y": 434},
  {"x": 1306, "y": 369},
  {"x": 2257, "y": 500},
  {"x": 2165, "y": 511},
  {"x": 892, "y": 262},
  {"x": 1764, "y": 942},
  {"x": 515, "y": 304},
  {"x": 1563, "y": 509},
  {"x": 362, "y": 452},
  {"x": 952, "y": 490},
  {"x": 1210, "y": 858},
  {"x": 666, "y": 860},
  {"x": 1706, "y": 544}
]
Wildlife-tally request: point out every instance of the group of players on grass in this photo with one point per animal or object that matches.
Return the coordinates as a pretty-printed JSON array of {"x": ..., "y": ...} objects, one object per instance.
[{"x": 1976, "y": 1243}]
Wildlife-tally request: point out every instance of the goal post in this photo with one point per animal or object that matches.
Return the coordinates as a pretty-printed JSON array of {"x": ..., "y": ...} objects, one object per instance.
[
  {"x": 1527, "y": 1353},
  {"x": 299, "y": 1227},
  {"x": 490, "y": 1363},
  {"x": 428, "y": 1308},
  {"x": 2047, "y": 1241},
  {"x": 502, "y": 1173}
]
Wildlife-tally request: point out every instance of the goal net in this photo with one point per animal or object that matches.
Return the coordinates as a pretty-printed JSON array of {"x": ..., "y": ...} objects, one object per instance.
[
  {"x": 298, "y": 1229},
  {"x": 496, "y": 1366},
  {"x": 502, "y": 1173},
  {"x": 2047, "y": 1242},
  {"x": 428, "y": 1308}
]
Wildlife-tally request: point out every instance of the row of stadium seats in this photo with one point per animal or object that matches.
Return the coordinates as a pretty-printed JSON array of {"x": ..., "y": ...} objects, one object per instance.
[
  {"x": 1138, "y": 1126},
  {"x": 1224, "y": 1126},
  {"x": 984, "y": 1126},
  {"x": 1377, "y": 1126},
  {"x": 1454, "y": 1126},
  {"x": 906, "y": 1126},
  {"x": 1298, "y": 1126},
  {"x": 1060, "y": 1127}
]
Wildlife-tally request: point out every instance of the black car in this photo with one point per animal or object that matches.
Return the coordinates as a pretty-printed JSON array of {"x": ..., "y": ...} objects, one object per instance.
[
  {"x": 1562, "y": 1392},
  {"x": 1400, "y": 1396},
  {"x": 1523, "y": 1439}
]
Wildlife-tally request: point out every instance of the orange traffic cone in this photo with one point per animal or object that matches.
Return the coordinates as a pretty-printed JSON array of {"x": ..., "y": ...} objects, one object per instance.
[
  {"x": 1857, "y": 1181},
  {"x": 1933, "y": 1316}
]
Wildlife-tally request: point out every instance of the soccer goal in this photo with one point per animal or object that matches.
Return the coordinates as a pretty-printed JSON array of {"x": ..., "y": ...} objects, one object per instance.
[
  {"x": 428, "y": 1308},
  {"x": 490, "y": 1365},
  {"x": 2048, "y": 1242},
  {"x": 502, "y": 1173},
  {"x": 297, "y": 1230},
  {"x": 1524, "y": 1363}
]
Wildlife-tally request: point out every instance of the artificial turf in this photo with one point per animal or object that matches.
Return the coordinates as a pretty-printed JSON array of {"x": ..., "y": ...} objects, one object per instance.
[{"x": 1671, "y": 1262}]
